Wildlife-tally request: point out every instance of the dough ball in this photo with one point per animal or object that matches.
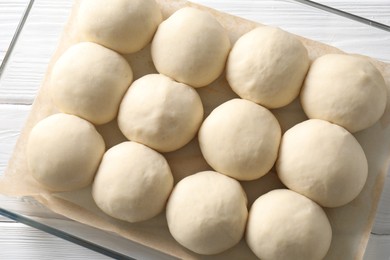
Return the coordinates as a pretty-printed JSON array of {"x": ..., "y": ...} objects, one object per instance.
[
  {"x": 191, "y": 47},
  {"x": 267, "y": 66},
  {"x": 133, "y": 182},
  {"x": 89, "y": 81},
  {"x": 125, "y": 26},
  {"x": 284, "y": 225},
  {"x": 64, "y": 152},
  {"x": 207, "y": 212},
  {"x": 322, "y": 161},
  {"x": 240, "y": 139},
  {"x": 160, "y": 113},
  {"x": 346, "y": 90}
]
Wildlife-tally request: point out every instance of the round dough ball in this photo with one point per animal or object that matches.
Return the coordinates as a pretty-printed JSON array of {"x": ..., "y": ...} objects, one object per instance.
[
  {"x": 160, "y": 113},
  {"x": 191, "y": 47},
  {"x": 133, "y": 182},
  {"x": 125, "y": 26},
  {"x": 240, "y": 139},
  {"x": 346, "y": 90},
  {"x": 89, "y": 81},
  {"x": 207, "y": 212},
  {"x": 283, "y": 224},
  {"x": 322, "y": 161},
  {"x": 64, "y": 152},
  {"x": 267, "y": 66}
]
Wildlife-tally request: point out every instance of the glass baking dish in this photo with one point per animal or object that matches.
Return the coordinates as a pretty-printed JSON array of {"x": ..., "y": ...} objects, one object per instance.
[{"x": 343, "y": 30}]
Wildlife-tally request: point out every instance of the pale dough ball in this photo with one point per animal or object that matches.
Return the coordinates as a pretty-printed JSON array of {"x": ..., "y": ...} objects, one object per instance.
[
  {"x": 133, "y": 182},
  {"x": 322, "y": 161},
  {"x": 160, "y": 113},
  {"x": 89, "y": 81},
  {"x": 191, "y": 47},
  {"x": 267, "y": 66},
  {"x": 346, "y": 90},
  {"x": 64, "y": 152},
  {"x": 207, "y": 212},
  {"x": 283, "y": 224},
  {"x": 125, "y": 26},
  {"x": 240, "y": 139}
]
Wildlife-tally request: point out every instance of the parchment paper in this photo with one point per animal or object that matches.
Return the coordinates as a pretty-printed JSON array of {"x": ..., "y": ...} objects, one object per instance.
[{"x": 351, "y": 224}]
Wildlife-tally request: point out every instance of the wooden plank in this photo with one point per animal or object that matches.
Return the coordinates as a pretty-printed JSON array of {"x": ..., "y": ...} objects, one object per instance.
[
  {"x": 11, "y": 12},
  {"x": 377, "y": 10},
  {"x": 12, "y": 119},
  {"x": 28, "y": 61},
  {"x": 22, "y": 242}
]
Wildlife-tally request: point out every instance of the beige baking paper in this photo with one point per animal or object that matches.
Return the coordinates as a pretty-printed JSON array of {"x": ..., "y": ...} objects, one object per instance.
[{"x": 351, "y": 223}]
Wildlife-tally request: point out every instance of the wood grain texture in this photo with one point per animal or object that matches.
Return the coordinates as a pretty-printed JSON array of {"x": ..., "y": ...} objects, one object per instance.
[
  {"x": 11, "y": 12},
  {"x": 28, "y": 61},
  {"x": 16, "y": 238},
  {"x": 12, "y": 119},
  {"x": 39, "y": 38},
  {"x": 378, "y": 10},
  {"x": 378, "y": 248}
]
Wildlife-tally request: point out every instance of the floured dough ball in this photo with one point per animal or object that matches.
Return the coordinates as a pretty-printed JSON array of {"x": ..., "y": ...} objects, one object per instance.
[
  {"x": 207, "y": 212},
  {"x": 160, "y": 113},
  {"x": 267, "y": 66},
  {"x": 346, "y": 90},
  {"x": 322, "y": 161},
  {"x": 89, "y": 81},
  {"x": 191, "y": 47},
  {"x": 64, "y": 152},
  {"x": 125, "y": 26},
  {"x": 240, "y": 139},
  {"x": 133, "y": 182},
  {"x": 284, "y": 225}
]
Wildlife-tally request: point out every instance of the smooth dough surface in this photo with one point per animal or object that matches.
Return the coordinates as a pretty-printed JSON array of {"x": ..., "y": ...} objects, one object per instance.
[
  {"x": 64, "y": 152},
  {"x": 267, "y": 66},
  {"x": 207, "y": 212},
  {"x": 89, "y": 81},
  {"x": 125, "y": 26},
  {"x": 322, "y": 161},
  {"x": 346, "y": 90},
  {"x": 283, "y": 224},
  {"x": 133, "y": 182},
  {"x": 160, "y": 113},
  {"x": 191, "y": 47},
  {"x": 240, "y": 139}
]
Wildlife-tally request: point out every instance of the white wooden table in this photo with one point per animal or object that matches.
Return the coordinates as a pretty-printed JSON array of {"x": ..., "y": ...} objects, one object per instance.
[{"x": 37, "y": 41}]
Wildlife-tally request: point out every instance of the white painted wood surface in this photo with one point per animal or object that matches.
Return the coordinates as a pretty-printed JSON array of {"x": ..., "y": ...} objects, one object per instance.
[
  {"x": 11, "y": 12},
  {"x": 21, "y": 242},
  {"x": 38, "y": 40},
  {"x": 377, "y": 10}
]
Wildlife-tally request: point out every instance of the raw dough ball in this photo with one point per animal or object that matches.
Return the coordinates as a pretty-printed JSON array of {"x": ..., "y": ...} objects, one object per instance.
[
  {"x": 125, "y": 26},
  {"x": 64, "y": 152},
  {"x": 322, "y": 161},
  {"x": 240, "y": 139},
  {"x": 267, "y": 65},
  {"x": 133, "y": 182},
  {"x": 160, "y": 113},
  {"x": 346, "y": 90},
  {"x": 285, "y": 225},
  {"x": 191, "y": 47},
  {"x": 207, "y": 212},
  {"x": 89, "y": 81}
]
